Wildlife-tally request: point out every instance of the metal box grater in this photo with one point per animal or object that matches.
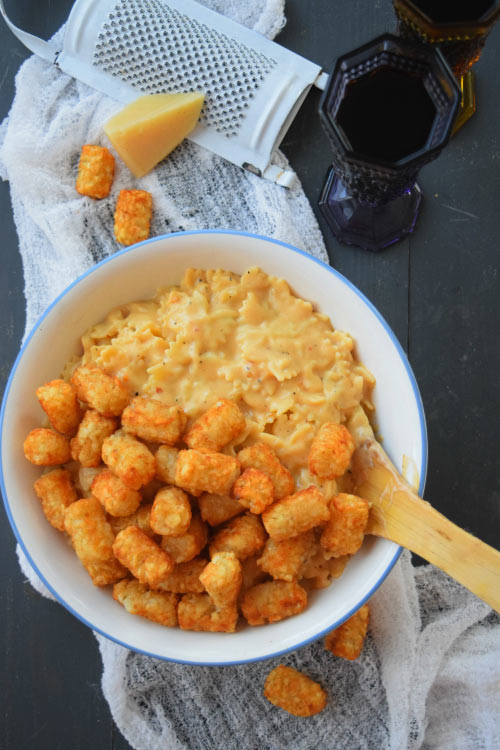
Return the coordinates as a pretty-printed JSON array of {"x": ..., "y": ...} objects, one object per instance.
[{"x": 253, "y": 86}]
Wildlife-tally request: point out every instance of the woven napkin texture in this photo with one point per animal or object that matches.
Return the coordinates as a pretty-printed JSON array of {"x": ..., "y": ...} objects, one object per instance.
[{"x": 429, "y": 676}]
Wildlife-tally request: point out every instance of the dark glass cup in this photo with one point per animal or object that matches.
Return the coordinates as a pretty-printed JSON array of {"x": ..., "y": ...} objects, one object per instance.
[
  {"x": 459, "y": 28},
  {"x": 388, "y": 108}
]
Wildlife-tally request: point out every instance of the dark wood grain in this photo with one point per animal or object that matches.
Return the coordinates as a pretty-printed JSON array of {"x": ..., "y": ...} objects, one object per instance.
[{"x": 439, "y": 291}]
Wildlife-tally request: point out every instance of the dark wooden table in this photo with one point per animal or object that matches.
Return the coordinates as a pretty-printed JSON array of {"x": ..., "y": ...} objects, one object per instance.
[{"x": 438, "y": 290}]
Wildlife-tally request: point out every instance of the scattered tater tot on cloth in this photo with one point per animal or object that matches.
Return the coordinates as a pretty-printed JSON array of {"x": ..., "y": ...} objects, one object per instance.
[
  {"x": 198, "y": 612},
  {"x": 184, "y": 578},
  {"x": 95, "y": 171},
  {"x": 137, "y": 599},
  {"x": 222, "y": 579},
  {"x": 142, "y": 556},
  {"x": 133, "y": 216},
  {"x": 319, "y": 571},
  {"x": 216, "y": 509},
  {"x": 189, "y": 545},
  {"x": 347, "y": 640},
  {"x": 260, "y": 456},
  {"x": 171, "y": 514},
  {"x": 58, "y": 400},
  {"x": 102, "y": 392},
  {"x": 140, "y": 519},
  {"x": 243, "y": 535},
  {"x": 331, "y": 451},
  {"x": 345, "y": 530},
  {"x": 86, "y": 446},
  {"x": 292, "y": 691},
  {"x": 273, "y": 601},
  {"x": 92, "y": 538},
  {"x": 295, "y": 514},
  {"x": 217, "y": 427},
  {"x": 115, "y": 496},
  {"x": 254, "y": 490},
  {"x": 129, "y": 459},
  {"x": 152, "y": 420},
  {"x": 206, "y": 472},
  {"x": 56, "y": 492},
  {"x": 166, "y": 460},
  {"x": 45, "y": 447},
  {"x": 284, "y": 560}
]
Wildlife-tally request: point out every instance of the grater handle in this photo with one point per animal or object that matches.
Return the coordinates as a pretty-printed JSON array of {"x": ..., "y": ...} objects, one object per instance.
[{"x": 39, "y": 46}]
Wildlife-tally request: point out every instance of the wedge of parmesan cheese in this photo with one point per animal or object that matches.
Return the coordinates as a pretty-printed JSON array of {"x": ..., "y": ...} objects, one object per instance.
[{"x": 149, "y": 128}]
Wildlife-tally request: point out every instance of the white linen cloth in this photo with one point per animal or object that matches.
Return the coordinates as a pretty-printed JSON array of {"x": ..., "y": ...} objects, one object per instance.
[{"x": 429, "y": 676}]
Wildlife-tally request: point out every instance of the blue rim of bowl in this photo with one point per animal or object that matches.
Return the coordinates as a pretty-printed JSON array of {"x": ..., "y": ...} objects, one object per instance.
[{"x": 416, "y": 393}]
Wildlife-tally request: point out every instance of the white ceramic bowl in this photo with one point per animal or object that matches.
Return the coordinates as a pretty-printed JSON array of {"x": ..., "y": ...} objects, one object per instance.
[{"x": 135, "y": 273}]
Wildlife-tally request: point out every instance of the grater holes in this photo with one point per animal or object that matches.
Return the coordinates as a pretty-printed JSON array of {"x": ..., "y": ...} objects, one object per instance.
[{"x": 158, "y": 49}]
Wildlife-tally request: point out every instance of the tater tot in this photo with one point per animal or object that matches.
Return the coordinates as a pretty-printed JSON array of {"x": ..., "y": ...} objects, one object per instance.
[
  {"x": 129, "y": 459},
  {"x": 137, "y": 599},
  {"x": 95, "y": 171},
  {"x": 101, "y": 391},
  {"x": 222, "y": 579},
  {"x": 166, "y": 460},
  {"x": 294, "y": 692},
  {"x": 184, "y": 578},
  {"x": 206, "y": 472},
  {"x": 217, "y": 427},
  {"x": 331, "y": 451},
  {"x": 260, "y": 456},
  {"x": 152, "y": 420},
  {"x": 116, "y": 497},
  {"x": 58, "y": 400},
  {"x": 86, "y": 447},
  {"x": 348, "y": 639},
  {"x": 133, "y": 216},
  {"x": 45, "y": 447},
  {"x": 295, "y": 514},
  {"x": 56, "y": 492},
  {"x": 198, "y": 612},
  {"x": 345, "y": 530},
  {"x": 140, "y": 519},
  {"x": 284, "y": 560},
  {"x": 92, "y": 539},
  {"x": 142, "y": 556},
  {"x": 273, "y": 601},
  {"x": 171, "y": 513},
  {"x": 216, "y": 509},
  {"x": 244, "y": 536},
  {"x": 254, "y": 490},
  {"x": 189, "y": 545}
]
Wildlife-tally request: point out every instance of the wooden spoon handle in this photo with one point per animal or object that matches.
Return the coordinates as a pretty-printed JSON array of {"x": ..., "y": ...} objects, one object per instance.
[{"x": 400, "y": 515}]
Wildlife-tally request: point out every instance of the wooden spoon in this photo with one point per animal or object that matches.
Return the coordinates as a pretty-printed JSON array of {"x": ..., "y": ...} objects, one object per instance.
[{"x": 399, "y": 514}]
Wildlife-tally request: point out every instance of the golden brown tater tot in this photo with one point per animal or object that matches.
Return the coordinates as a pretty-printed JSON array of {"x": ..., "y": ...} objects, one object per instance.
[
  {"x": 345, "y": 530},
  {"x": 273, "y": 601},
  {"x": 100, "y": 391},
  {"x": 152, "y": 420},
  {"x": 58, "y": 400},
  {"x": 133, "y": 216},
  {"x": 294, "y": 692},
  {"x": 189, "y": 545},
  {"x": 254, "y": 490},
  {"x": 331, "y": 451},
  {"x": 171, "y": 513},
  {"x": 260, "y": 456},
  {"x": 129, "y": 459},
  {"x": 140, "y": 519},
  {"x": 295, "y": 514},
  {"x": 144, "y": 558},
  {"x": 198, "y": 612},
  {"x": 95, "y": 171},
  {"x": 56, "y": 492},
  {"x": 216, "y": 509},
  {"x": 92, "y": 539},
  {"x": 348, "y": 639},
  {"x": 206, "y": 472},
  {"x": 217, "y": 427},
  {"x": 137, "y": 599},
  {"x": 222, "y": 579},
  {"x": 86, "y": 447},
  {"x": 45, "y": 447},
  {"x": 116, "y": 497},
  {"x": 166, "y": 459},
  {"x": 184, "y": 578},
  {"x": 244, "y": 536},
  {"x": 284, "y": 560}
]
